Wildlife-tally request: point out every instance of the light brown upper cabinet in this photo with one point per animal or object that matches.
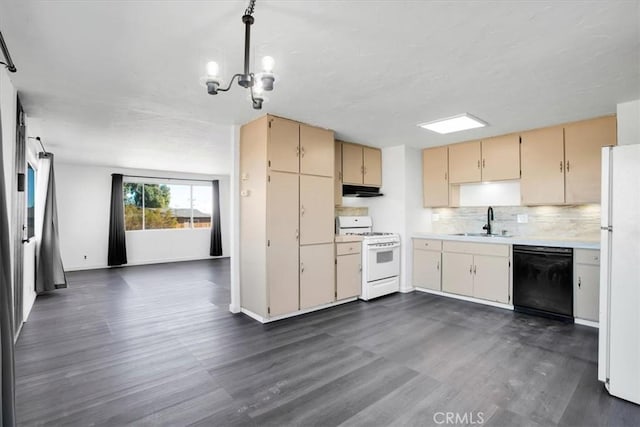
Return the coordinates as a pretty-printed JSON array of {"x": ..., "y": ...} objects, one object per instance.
[
  {"x": 583, "y": 142},
  {"x": 316, "y": 151},
  {"x": 492, "y": 159},
  {"x": 300, "y": 148},
  {"x": 361, "y": 165},
  {"x": 542, "y": 157},
  {"x": 284, "y": 145},
  {"x": 501, "y": 158},
  {"x": 465, "y": 162},
  {"x": 372, "y": 162},
  {"x": 562, "y": 164},
  {"x": 435, "y": 177}
]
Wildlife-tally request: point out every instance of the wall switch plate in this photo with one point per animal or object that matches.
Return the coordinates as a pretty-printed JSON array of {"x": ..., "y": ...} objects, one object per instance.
[
  {"x": 245, "y": 193},
  {"x": 523, "y": 218}
]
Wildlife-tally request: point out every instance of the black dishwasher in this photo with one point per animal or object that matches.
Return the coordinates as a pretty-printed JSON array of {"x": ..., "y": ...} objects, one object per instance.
[{"x": 543, "y": 281}]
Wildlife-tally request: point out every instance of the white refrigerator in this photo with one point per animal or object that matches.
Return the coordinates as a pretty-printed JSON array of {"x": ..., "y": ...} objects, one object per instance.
[{"x": 619, "y": 338}]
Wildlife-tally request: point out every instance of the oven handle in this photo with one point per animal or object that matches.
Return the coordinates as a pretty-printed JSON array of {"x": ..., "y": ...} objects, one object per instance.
[{"x": 375, "y": 246}]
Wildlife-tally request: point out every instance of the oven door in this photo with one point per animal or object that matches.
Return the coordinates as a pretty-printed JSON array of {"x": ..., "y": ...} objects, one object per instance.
[{"x": 383, "y": 261}]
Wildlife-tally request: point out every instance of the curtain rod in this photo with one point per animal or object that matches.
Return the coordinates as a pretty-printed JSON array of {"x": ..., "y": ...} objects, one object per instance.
[
  {"x": 5, "y": 51},
  {"x": 170, "y": 179}
]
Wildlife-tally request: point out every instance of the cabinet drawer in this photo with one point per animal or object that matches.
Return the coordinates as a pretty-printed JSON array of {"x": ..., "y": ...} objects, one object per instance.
[
  {"x": 476, "y": 248},
  {"x": 348, "y": 248},
  {"x": 427, "y": 244},
  {"x": 586, "y": 256}
]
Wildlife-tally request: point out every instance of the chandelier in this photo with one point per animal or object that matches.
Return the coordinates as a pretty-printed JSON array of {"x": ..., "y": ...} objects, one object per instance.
[{"x": 256, "y": 83}]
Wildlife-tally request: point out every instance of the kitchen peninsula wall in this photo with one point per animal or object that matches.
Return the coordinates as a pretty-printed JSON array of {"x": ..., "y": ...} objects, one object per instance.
[{"x": 558, "y": 222}]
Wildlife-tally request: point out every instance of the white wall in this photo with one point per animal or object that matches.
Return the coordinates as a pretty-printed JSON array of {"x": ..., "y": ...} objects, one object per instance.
[
  {"x": 8, "y": 106},
  {"x": 83, "y": 213},
  {"x": 629, "y": 122}
]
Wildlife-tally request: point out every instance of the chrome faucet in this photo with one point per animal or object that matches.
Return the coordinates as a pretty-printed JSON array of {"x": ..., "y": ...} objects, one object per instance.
[{"x": 489, "y": 219}]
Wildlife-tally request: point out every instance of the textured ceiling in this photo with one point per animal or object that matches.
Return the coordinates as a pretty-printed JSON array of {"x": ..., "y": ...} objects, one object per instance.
[{"x": 117, "y": 82}]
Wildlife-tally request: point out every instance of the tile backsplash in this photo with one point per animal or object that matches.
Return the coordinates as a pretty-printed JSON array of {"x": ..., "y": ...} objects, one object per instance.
[{"x": 569, "y": 222}]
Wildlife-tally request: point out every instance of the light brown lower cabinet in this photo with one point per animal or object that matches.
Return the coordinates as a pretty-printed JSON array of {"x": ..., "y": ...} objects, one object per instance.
[
  {"x": 586, "y": 288},
  {"x": 317, "y": 275},
  {"x": 477, "y": 270},
  {"x": 427, "y": 259},
  {"x": 348, "y": 270}
]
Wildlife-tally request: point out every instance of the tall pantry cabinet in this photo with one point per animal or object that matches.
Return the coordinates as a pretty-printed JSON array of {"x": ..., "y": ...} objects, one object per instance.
[{"x": 287, "y": 258}]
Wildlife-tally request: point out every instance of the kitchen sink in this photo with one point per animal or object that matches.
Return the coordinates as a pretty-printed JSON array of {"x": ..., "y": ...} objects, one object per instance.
[{"x": 481, "y": 235}]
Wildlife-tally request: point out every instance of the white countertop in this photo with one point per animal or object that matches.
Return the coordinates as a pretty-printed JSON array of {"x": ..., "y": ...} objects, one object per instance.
[{"x": 515, "y": 240}]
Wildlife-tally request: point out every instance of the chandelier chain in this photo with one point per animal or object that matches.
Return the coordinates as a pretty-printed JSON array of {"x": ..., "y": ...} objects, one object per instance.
[{"x": 252, "y": 5}]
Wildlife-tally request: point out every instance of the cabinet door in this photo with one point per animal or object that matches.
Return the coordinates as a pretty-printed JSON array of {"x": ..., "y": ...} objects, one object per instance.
[
  {"x": 317, "y": 275},
  {"x": 542, "y": 157},
  {"x": 582, "y": 146},
  {"x": 372, "y": 161},
  {"x": 282, "y": 250},
  {"x": 426, "y": 269},
  {"x": 352, "y": 164},
  {"x": 464, "y": 162},
  {"x": 316, "y": 210},
  {"x": 435, "y": 178},
  {"x": 457, "y": 273},
  {"x": 338, "y": 174},
  {"x": 348, "y": 276},
  {"x": 491, "y": 278},
  {"x": 587, "y": 292},
  {"x": 284, "y": 145},
  {"x": 501, "y": 158},
  {"x": 316, "y": 151}
]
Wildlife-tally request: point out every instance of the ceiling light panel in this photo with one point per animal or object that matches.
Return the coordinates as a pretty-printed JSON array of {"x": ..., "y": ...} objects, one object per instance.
[{"x": 454, "y": 124}]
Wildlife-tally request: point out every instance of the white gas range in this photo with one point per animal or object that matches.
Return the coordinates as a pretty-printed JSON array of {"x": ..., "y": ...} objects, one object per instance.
[{"x": 380, "y": 256}]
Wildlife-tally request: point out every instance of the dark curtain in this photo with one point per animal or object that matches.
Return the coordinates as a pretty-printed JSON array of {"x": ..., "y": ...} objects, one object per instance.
[
  {"x": 117, "y": 242},
  {"x": 49, "y": 269},
  {"x": 216, "y": 237},
  {"x": 7, "y": 376}
]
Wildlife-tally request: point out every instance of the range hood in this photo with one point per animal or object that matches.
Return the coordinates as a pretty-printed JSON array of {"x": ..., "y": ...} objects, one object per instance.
[{"x": 360, "y": 191}]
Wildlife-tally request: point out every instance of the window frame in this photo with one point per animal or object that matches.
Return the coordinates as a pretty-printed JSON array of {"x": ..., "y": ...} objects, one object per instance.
[{"x": 169, "y": 181}]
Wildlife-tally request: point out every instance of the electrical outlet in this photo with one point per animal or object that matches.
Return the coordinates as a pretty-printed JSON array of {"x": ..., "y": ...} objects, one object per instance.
[
  {"x": 523, "y": 218},
  {"x": 85, "y": 257}
]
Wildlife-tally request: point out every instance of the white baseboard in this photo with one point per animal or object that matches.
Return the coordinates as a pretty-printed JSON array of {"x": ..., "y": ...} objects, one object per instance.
[
  {"x": 234, "y": 308},
  {"x": 261, "y": 319},
  {"x": 584, "y": 322},
  {"x": 465, "y": 298},
  {"x": 407, "y": 290},
  {"x": 150, "y": 262}
]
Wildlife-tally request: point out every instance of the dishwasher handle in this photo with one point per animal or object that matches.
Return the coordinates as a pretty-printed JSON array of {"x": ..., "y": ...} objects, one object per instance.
[{"x": 540, "y": 250}]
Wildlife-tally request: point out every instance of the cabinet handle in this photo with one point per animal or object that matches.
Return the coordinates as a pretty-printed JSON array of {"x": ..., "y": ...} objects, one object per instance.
[
  {"x": 568, "y": 165},
  {"x": 561, "y": 165},
  {"x": 471, "y": 269},
  {"x": 478, "y": 164},
  {"x": 445, "y": 176},
  {"x": 438, "y": 265},
  {"x": 297, "y": 151},
  {"x": 364, "y": 170},
  {"x": 302, "y": 267},
  {"x": 301, "y": 210},
  {"x": 297, "y": 234},
  {"x": 474, "y": 269},
  {"x": 482, "y": 163},
  {"x": 360, "y": 265},
  {"x": 579, "y": 282},
  {"x": 302, "y": 152}
]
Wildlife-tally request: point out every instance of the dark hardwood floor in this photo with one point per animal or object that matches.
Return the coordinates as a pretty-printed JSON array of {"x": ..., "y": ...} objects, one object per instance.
[{"x": 156, "y": 345}]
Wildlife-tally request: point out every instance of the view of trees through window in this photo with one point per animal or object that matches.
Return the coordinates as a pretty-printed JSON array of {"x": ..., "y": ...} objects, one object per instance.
[{"x": 162, "y": 206}]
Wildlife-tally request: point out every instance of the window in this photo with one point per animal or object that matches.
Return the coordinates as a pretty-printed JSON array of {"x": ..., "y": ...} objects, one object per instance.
[
  {"x": 31, "y": 201},
  {"x": 160, "y": 204}
]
